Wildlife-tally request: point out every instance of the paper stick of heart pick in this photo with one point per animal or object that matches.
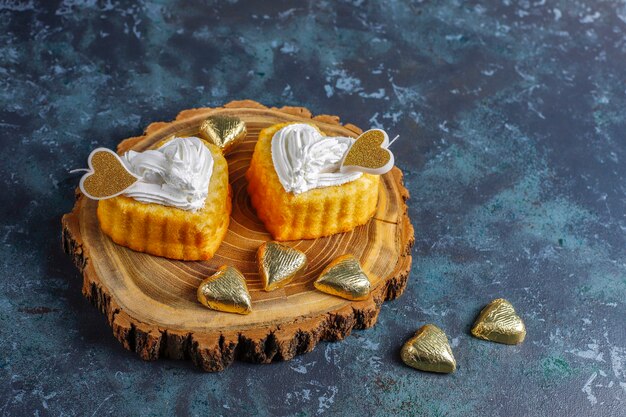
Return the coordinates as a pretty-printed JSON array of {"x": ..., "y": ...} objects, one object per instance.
[
  {"x": 107, "y": 175},
  {"x": 369, "y": 154}
]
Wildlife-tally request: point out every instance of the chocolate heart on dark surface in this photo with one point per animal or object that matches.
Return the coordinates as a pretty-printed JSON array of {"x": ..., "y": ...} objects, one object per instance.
[
  {"x": 429, "y": 350},
  {"x": 498, "y": 322}
]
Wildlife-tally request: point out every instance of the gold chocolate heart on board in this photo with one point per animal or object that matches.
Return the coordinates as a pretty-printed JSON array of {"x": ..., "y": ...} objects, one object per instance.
[
  {"x": 498, "y": 322},
  {"x": 429, "y": 350},
  {"x": 369, "y": 154},
  {"x": 226, "y": 290},
  {"x": 279, "y": 264},
  {"x": 107, "y": 176},
  {"x": 344, "y": 278},
  {"x": 226, "y": 132}
]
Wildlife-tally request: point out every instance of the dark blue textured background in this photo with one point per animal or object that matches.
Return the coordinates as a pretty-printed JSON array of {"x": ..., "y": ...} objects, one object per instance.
[{"x": 511, "y": 116}]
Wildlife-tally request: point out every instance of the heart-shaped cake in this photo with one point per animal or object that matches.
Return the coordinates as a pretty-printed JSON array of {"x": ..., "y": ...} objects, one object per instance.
[
  {"x": 297, "y": 189},
  {"x": 180, "y": 205}
]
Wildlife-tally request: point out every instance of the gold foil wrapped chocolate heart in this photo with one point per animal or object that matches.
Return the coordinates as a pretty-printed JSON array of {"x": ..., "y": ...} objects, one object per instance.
[
  {"x": 344, "y": 278},
  {"x": 369, "y": 154},
  {"x": 225, "y": 290},
  {"x": 107, "y": 175},
  {"x": 429, "y": 350},
  {"x": 498, "y": 322},
  {"x": 279, "y": 264},
  {"x": 226, "y": 132}
]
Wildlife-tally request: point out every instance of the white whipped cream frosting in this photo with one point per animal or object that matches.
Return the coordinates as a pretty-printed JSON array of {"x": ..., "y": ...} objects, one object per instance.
[
  {"x": 304, "y": 159},
  {"x": 177, "y": 174}
]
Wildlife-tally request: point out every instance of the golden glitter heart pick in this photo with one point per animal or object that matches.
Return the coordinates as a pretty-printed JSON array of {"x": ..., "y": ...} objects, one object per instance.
[
  {"x": 429, "y": 350},
  {"x": 369, "y": 154},
  {"x": 344, "y": 278},
  {"x": 224, "y": 131},
  {"x": 225, "y": 290},
  {"x": 278, "y": 264},
  {"x": 107, "y": 175},
  {"x": 498, "y": 322}
]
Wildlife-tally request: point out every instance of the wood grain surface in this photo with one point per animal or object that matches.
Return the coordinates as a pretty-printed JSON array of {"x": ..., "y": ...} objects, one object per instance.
[{"x": 150, "y": 302}]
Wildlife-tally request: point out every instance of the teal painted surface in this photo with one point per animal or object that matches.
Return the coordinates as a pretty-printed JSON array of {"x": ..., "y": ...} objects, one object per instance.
[{"x": 511, "y": 118}]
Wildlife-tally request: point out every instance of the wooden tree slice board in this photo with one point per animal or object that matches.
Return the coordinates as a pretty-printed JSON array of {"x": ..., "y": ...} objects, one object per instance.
[{"x": 150, "y": 302}]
